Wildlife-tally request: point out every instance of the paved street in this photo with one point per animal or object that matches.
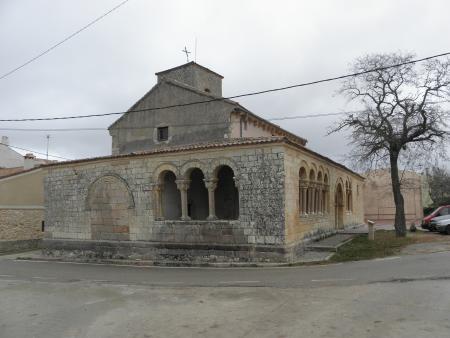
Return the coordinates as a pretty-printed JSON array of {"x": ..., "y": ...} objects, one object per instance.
[{"x": 407, "y": 296}]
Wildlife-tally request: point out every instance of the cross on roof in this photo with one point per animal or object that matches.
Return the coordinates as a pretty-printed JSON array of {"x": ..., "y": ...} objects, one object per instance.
[{"x": 187, "y": 53}]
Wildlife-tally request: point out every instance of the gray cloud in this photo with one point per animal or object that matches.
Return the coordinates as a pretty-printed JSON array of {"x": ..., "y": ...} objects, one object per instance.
[{"x": 255, "y": 44}]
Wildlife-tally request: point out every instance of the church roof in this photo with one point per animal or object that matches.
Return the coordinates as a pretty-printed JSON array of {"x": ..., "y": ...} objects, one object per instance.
[
  {"x": 239, "y": 107},
  {"x": 225, "y": 143},
  {"x": 192, "y": 63}
]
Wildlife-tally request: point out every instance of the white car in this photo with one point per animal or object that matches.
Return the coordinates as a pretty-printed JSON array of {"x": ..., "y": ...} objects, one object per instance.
[{"x": 442, "y": 224}]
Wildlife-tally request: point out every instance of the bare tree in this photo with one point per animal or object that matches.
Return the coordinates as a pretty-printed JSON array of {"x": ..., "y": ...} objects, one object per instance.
[
  {"x": 439, "y": 184},
  {"x": 401, "y": 118}
]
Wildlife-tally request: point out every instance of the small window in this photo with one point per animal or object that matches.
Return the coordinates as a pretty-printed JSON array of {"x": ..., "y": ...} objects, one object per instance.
[
  {"x": 207, "y": 90},
  {"x": 163, "y": 133}
]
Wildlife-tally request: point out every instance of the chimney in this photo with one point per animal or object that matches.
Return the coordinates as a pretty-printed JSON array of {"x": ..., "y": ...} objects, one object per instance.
[
  {"x": 5, "y": 140},
  {"x": 29, "y": 161}
]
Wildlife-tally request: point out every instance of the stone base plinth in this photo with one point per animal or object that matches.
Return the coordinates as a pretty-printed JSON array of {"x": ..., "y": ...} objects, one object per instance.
[{"x": 161, "y": 253}]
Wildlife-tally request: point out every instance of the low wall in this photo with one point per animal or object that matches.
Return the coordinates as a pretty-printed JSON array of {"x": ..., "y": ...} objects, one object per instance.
[
  {"x": 21, "y": 245},
  {"x": 20, "y": 223},
  {"x": 159, "y": 253}
]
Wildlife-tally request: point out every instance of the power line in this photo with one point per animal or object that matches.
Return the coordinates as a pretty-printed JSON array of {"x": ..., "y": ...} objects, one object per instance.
[
  {"x": 62, "y": 41},
  {"x": 176, "y": 125},
  {"x": 230, "y": 97},
  {"x": 305, "y": 84},
  {"x": 34, "y": 151},
  {"x": 282, "y": 118}
]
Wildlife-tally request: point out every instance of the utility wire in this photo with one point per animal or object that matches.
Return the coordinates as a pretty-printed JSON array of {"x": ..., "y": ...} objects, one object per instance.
[
  {"x": 34, "y": 151},
  {"x": 282, "y": 118},
  {"x": 178, "y": 125},
  {"x": 62, "y": 41},
  {"x": 305, "y": 84}
]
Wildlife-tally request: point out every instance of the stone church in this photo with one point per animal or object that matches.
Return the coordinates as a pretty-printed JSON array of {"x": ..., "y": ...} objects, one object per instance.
[{"x": 197, "y": 178}]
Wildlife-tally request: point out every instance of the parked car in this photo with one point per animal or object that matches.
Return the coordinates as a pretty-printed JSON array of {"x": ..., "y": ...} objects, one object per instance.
[
  {"x": 438, "y": 221},
  {"x": 443, "y": 210},
  {"x": 442, "y": 225}
]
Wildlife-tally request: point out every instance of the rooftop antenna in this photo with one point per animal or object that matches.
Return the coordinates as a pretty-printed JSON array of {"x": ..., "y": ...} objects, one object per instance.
[
  {"x": 48, "y": 141},
  {"x": 187, "y": 53},
  {"x": 195, "y": 51}
]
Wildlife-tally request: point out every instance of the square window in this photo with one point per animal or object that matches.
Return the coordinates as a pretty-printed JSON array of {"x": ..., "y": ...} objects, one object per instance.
[{"x": 163, "y": 133}]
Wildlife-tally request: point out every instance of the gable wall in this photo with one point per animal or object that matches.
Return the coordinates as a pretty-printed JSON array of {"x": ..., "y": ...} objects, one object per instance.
[
  {"x": 187, "y": 125},
  {"x": 10, "y": 158}
]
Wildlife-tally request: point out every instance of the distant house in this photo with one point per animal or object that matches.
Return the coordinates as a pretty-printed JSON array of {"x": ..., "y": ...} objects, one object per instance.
[
  {"x": 12, "y": 162},
  {"x": 21, "y": 210},
  {"x": 379, "y": 203},
  {"x": 21, "y": 199}
]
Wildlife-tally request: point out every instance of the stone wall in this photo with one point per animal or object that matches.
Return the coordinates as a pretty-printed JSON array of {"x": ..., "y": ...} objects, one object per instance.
[
  {"x": 299, "y": 227},
  {"x": 380, "y": 205},
  {"x": 259, "y": 177},
  {"x": 21, "y": 224},
  {"x": 186, "y": 124}
]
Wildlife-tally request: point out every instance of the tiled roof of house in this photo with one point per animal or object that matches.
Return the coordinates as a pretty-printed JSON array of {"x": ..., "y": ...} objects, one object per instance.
[
  {"x": 5, "y": 174},
  {"x": 10, "y": 171}
]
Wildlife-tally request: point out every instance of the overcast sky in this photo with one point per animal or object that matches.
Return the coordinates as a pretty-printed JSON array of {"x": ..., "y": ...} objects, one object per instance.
[{"x": 255, "y": 45}]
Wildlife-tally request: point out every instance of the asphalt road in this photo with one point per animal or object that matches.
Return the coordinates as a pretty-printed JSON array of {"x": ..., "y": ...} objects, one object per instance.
[
  {"x": 391, "y": 269},
  {"x": 407, "y": 296}
]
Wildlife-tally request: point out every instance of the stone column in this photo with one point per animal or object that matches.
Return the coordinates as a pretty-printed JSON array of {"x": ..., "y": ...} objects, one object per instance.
[
  {"x": 319, "y": 199},
  {"x": 303, "y": 210},
  {"x": 310, "y": 199},
  {"x": 183, "y": 186},
  {"x": 157, "y": 195},
  {"x": 211, "y": 185},
  {"x": 302, "y": 198},
  {"x": 313, "y": 199}
]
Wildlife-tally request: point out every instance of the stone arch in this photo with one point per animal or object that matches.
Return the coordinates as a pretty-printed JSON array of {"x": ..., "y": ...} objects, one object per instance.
[
  {"x": 312, "y": 175},
  {"x": 302, "y": 173},
  {"x": 110, "y": 202},
  {"x": 111, "y": 176},
  {"x": 320, "y": 177},
  {"x": 197, "y": 194},
  {"x": 223, "y": 161},
  {"x": 189, "y": 166},
  {"x": 168, "y": 195},
  {"x": 166, "y": 166},
  {"x": 226, "y": 194}
]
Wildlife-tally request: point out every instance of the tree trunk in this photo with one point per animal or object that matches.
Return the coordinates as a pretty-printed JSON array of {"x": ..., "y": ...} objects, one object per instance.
[{"x": 400, "y": 221}]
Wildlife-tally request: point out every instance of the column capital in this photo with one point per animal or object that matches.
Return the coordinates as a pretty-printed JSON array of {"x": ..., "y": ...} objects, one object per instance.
[
  {"x": 182, "y": 185},
  {"x": 303, "y": 184},
  {"x": 211, "y": 184}
]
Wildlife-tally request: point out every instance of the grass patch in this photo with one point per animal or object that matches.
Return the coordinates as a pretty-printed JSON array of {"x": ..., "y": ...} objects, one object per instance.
[{"x": 385, "y": 244}]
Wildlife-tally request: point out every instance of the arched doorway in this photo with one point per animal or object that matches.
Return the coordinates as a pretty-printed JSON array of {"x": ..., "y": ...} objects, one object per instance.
[
  {"x": 109, "y": 202},
  {"x": 197, "y": 196},
  {"x": 226, "y": 195},
  {"x": 339, "y": 207},
  {"x": 170, "y": 196}
]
